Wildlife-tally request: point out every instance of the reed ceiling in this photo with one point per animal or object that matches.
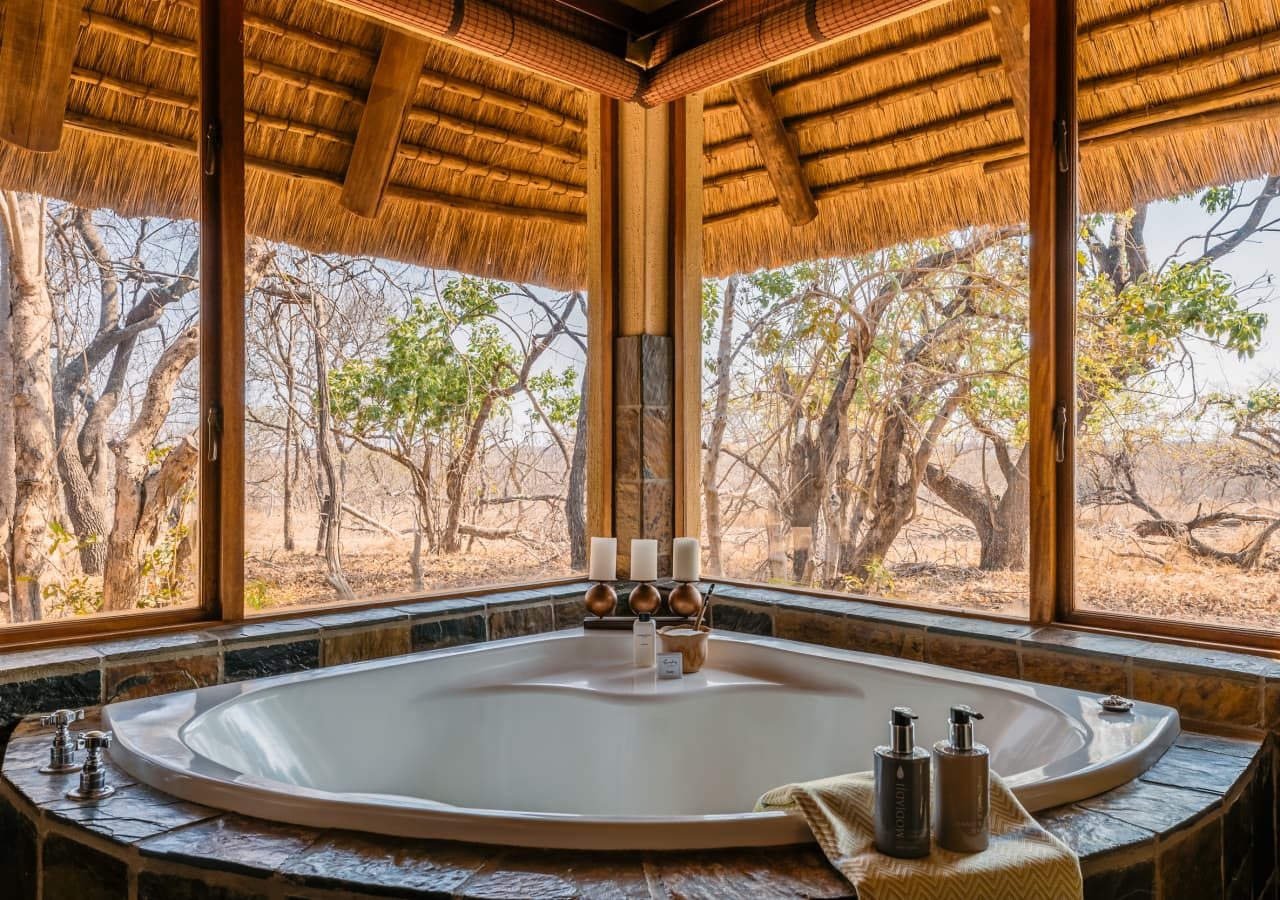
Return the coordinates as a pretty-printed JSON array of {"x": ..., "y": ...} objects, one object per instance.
[{"x": 905, "y": 130}]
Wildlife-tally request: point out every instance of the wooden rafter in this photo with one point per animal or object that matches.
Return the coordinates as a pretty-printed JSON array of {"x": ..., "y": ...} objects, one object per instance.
[
  {"x": 776, "y": 149},
  {"x": 394, "y": 81},
  {"x": 1011, "y": 27},
  {"x": 36, "y": 53}
]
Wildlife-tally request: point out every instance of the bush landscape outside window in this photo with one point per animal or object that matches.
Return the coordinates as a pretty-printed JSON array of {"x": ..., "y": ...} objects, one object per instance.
[{"x": 865, "y": 421}]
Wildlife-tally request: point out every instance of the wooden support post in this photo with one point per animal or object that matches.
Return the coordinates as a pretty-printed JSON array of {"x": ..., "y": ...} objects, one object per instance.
[
  {"x": 222, "y": 357},
  {"x": 1011, "y": 27},
  {"x": 602, "y": 298},
  {"x": 36, "y": 54},
  {"x": 776, "y": 148},
  {"x": 394, "y": 82},
  {"x": 1053, "y": 165},
  {"x": 644, "y": 225}
]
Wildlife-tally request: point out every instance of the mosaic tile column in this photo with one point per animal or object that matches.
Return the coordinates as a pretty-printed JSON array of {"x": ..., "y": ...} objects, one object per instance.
[{"x": 643, "y": 494}]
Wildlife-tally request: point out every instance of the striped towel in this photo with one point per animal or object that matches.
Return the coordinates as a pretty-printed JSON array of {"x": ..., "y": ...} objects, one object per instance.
[{"x": 1023, "y": 861}]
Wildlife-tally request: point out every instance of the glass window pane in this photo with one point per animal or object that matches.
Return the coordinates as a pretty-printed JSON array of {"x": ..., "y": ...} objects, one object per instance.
[
  {"x": 865, "y": 417},
  {"x": 99, "y": 299},
  {"x": 1178, "y": 327}
]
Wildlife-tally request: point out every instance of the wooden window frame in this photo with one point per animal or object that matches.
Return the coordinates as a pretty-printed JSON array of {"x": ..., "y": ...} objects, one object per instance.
[{"x": 1053, "y": 169}]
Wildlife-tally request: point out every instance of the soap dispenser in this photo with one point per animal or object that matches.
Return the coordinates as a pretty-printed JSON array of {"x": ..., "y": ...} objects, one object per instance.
[
  {"x": 962, "y": 783},
  {"x": 644, "y": 639},
  {"x": 902, "y": 791}
]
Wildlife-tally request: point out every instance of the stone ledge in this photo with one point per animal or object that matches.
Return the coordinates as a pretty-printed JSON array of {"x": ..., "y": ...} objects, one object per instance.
[
  {"x": 1147, "y": 835},
  {"x": 1211, "y": 689}
]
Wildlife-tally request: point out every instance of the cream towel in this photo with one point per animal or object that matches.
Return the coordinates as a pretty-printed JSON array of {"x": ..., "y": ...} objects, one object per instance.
[{"x": 1023, "y": 861}]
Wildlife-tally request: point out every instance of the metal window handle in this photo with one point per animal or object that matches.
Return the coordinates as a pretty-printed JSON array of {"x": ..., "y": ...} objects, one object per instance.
[
  {"x": 93, "y": 777},
  {"x": 62, "y": 755},
  {"x": 1060, "y": 434},
  {"x": 1060, "y": 136}
]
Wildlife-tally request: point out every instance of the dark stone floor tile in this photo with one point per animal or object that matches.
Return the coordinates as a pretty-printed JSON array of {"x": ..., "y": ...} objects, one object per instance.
[
  {"x": 1191, "y": 869},
  {"x": 1244, "y": 748},
  {"x": 135, "y": 812},
  {"x": 384, "y": 866},
  {"x": 1196, "y": 769},
  {"x": 1091, "y": 833},
  {"x": 73, "y": 870},
  {"x": 1237, "y": 830},
  {"x": 749, "y": 874},
  {"x": 569, "y": 612},
  {"x": 1134, "y": 882},
  {"x": 551, "y": 875},
  {"x": 173, "y": 887},
  {"x": 271, "y": 659},
  {"x": 1156, "y": 807},
  {"x": 1264, "y": 823},
  {"x": 22, "y": 698},
  {"x": 17, "y": 852},
  {"x": 232, "y": 843},
  {"x": 434, "y": 634},
  {"x": 731, "y": 617}
]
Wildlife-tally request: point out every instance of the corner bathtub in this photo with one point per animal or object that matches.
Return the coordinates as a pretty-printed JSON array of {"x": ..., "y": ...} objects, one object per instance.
[{"x": 558, "y": 741}]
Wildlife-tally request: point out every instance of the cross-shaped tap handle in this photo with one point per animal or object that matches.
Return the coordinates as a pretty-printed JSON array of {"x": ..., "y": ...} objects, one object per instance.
[
  {"x": 95, "y": 742},
  {"x": 62, "y": 717}
]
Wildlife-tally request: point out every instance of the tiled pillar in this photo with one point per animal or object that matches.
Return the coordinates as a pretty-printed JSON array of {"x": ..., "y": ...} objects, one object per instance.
[
  {"x": 644, "y": 323},
  {"x": 643, "y": 496}
]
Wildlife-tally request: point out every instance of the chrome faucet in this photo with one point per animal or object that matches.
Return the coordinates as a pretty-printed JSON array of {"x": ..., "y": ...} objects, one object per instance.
[
  {"x": 62, "y": 755},
  {"x": 93, "y": 777}
]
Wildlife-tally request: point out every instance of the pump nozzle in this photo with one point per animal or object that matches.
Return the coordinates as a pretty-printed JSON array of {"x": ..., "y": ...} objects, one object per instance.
[
  {"x": 902, "y": 736},
  {"x": 961, "y": 719}
]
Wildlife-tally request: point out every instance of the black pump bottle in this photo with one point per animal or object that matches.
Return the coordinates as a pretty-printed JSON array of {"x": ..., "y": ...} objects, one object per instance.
[{"x": 902, "y": 791}]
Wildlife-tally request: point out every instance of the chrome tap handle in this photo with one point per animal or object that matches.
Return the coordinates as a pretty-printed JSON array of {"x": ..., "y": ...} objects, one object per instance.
[
  {"x": 93, "y": 777},
  {"x": 62, "y": 755}
]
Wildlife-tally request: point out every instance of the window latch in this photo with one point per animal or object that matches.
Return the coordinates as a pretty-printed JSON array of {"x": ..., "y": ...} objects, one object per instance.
[
  {"x": 1060, "y": 433},
  {"x": 213, "y": 432},
  {"x": 1060, "y": 145},
  {"x": 212, "y": 141}
]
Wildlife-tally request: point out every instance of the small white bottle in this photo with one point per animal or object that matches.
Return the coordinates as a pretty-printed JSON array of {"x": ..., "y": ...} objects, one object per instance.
[{"x": 644, "y": 637}]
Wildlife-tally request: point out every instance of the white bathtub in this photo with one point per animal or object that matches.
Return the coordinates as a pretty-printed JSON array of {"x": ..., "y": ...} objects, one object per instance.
[{"x": 557, "y": 741}]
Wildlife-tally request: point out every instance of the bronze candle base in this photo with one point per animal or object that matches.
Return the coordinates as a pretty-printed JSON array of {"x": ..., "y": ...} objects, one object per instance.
[
  {"x": 644, "y": 598},
  {"x": 601, "y": 599},
  {"x": 685, "y": 599}
]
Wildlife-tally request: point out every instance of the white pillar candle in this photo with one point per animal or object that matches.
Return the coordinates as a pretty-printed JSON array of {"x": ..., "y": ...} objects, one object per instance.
[
  {"x": 604, "y": 559},
  {"x": 644, "y": 559},
  {"x": 685, "y": 559}
]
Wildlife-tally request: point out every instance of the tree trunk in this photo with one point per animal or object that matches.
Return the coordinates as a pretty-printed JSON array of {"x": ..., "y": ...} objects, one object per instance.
[
  {"x": 31, "y": 324},
  {"x": 575, "y": 506},
  {"x": 715, "y": 437},
  {"x": 8, "y": 486},
  {"x": 1002, "y": 523},
  {"x": 331, "y": 525}
]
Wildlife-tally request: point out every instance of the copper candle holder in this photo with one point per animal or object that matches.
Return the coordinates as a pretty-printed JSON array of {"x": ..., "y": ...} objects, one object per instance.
[
  {"x": 685, "y": 600},
  {"x": 644, "y": 598},
  {"x": 601, "y": 599}
]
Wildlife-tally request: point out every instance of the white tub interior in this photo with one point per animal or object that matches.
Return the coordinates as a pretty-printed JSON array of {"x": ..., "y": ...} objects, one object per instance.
[{"x": 559, "y": 741}]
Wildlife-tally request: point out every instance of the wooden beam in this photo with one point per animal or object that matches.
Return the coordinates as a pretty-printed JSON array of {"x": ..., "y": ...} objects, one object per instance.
[
  {"x": 686, "y": 313},
  {"x": 602, "y": 298},
  {"x": 36, "y": 53},
  {"x": 394, "y": 82},
  {"x": 776, "y": 149},
  {"x": 1011, "y": 27},
  {"x": 222, "y": 356}
]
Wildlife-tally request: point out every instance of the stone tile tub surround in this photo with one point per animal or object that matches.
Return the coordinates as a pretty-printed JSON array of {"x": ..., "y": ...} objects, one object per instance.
[
  {"x": 1213, "y": 690},
  {"x": 1199, "y": 824}
]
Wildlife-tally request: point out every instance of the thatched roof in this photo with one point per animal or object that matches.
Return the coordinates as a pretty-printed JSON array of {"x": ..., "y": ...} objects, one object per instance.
[
  {"x": 491, "y": 173},
  {"x": 904, "y": 130}
]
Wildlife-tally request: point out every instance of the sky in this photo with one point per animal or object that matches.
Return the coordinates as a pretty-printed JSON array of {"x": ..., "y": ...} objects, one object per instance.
[{"x": 1168, "y": 223}]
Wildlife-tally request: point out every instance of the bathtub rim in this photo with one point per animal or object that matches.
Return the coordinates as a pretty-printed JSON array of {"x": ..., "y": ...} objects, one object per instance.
[{"x": 224, "y": 788}]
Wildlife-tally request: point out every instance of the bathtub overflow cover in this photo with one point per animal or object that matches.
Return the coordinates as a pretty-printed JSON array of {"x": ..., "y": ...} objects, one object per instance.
[{"x": 1115, "y": 703}]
